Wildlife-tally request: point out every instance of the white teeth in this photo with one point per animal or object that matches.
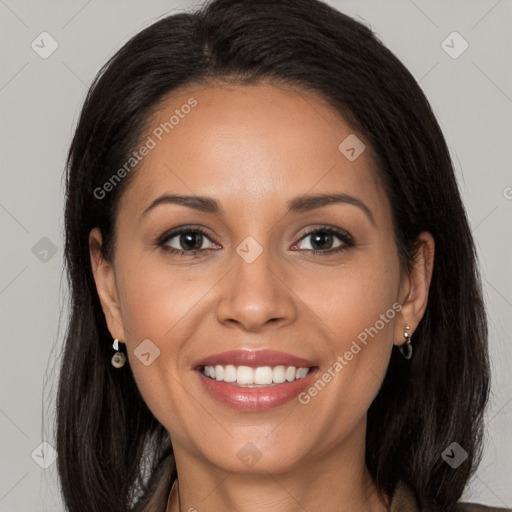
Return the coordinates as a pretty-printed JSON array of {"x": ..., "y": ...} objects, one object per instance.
[
  {"x": 301, "y": 372},
  {"x": 219, "y": 372},
  {"x": 230, "y": 373},
  {"x": 263, "y": 375},
  {"x": 279, "y": 374},
  {"x": 245, "y": 375},
  {"x": 255, "y": 377},
  {"x": 290, "y": 373}
]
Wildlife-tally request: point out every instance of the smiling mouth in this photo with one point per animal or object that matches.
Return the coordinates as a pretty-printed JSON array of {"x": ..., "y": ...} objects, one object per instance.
[{"x": 254, "y": 377}]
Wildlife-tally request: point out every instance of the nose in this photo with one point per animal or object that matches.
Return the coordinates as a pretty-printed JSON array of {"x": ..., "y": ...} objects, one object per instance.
[{"x": 256, "y": 296}]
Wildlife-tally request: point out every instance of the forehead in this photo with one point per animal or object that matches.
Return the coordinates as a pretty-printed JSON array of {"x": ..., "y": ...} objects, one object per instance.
[{"x": 261, "y": 143}]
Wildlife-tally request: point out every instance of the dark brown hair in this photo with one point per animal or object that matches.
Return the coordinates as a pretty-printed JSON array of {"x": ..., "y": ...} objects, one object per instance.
[{"x": 111, "y": 449}]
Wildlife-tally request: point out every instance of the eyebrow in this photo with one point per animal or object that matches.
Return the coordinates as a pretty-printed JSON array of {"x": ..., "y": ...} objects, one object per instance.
[{"x": 299, "y": 204}]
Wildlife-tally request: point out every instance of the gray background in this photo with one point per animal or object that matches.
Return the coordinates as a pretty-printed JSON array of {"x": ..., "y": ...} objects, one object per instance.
[{"x": 40, "y": 101}]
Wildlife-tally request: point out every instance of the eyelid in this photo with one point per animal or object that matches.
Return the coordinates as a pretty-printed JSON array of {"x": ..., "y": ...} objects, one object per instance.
[
  {"x": 347, "y": 240},
  {"x": 330, "y": 229},
  {"x": 178, "y": 230}
]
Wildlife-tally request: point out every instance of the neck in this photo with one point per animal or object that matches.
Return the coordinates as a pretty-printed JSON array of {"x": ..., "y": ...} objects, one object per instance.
[{"x": 334, "y": 481}]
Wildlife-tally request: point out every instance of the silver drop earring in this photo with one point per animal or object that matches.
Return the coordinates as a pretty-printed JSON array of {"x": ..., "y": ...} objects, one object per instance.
[
  {"x": 406, "y": 348},
  {"x": 118, "y": 359}
]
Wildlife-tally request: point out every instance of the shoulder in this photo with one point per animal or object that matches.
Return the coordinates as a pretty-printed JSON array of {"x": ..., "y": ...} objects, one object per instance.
[
  {"x": 404, "y": 498},
  {"x": 474, "y": 507}
]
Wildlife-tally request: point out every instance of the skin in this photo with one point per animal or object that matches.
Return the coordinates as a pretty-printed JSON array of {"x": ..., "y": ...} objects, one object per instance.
[{"x": 253, "y": 148}]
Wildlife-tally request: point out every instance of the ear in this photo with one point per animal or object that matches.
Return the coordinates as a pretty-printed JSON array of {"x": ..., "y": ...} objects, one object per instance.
[
  {"x": 414, "y": 287},
  {"x": 104, "y": 277}
]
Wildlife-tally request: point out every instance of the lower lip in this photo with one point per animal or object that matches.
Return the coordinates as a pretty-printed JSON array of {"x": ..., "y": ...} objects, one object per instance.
[{"x": 255, "y": 399}]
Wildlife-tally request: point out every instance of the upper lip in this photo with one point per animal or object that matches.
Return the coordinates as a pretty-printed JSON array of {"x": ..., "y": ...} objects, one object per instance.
[{"x": 254, "y": 358}]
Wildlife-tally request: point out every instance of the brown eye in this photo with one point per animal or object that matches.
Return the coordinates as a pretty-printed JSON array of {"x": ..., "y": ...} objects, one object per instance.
[
  {"x": 323, "y": 241},
  {"x": 186, "y": 241},
  {"x": 191, "y": 240}
]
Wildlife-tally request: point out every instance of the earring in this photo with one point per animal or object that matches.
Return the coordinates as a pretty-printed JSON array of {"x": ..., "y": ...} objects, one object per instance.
[
  {"x": 118, "y": 359},
  {"x": 406, "y": 348}
]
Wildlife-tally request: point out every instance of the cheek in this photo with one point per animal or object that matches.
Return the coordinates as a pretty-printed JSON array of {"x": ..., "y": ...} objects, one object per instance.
[
  {"x": 160, "y": 310},
  {"x": 151, "y": 305},
  {"x": 154, "y": 299},
  {"x": 359, "y": 306},
  {"x": 352, "y": 298}
]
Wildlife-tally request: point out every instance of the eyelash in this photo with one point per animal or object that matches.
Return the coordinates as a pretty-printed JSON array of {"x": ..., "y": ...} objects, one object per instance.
[{"x": 344, "y": 236}]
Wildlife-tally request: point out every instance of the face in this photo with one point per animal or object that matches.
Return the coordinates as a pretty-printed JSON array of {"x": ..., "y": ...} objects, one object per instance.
[{"x": 267, "y": 280}]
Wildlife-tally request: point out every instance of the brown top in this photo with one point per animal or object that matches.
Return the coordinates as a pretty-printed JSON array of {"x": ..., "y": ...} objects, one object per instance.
[{"x": 403, "y": 500}]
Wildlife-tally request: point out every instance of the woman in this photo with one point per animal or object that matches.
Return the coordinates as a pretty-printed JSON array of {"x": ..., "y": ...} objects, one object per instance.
[{"x": 219, "y": 356}]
